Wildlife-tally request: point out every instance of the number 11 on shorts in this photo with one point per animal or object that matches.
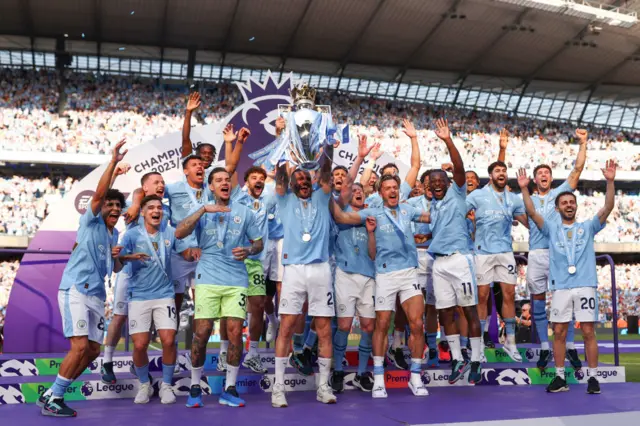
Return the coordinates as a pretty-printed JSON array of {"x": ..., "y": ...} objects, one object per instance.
[{"x": 466, "y": 288}]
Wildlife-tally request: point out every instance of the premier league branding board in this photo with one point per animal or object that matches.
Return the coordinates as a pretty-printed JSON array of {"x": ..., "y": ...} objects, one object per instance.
[{"x": 23, "y": 380}]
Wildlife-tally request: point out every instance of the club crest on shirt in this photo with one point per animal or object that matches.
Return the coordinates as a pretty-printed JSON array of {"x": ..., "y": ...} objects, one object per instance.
[
  {"x": 237, "y": 220},
  {"x": 404, "y": 212},
  {"x": 167, "y": 243},
  {"x": 580, "y": 231}
]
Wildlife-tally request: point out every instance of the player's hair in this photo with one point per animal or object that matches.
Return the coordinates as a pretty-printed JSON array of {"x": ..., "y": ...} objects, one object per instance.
[
  {"x": 496, "y": 164},
  {"x": 150, "y": 198},
  {"x": 339, "y": 168},
  {"x": 541, "y": 166},
  {"x": 202, "y": 145},
  {"x": 562, "y": 194},
  {"x": 185, "y": 162},
  {"x": 146, "y": 176},
  {"x": 216, "y": 170},
  {"x": 254, "y": 169},
  {"x": 474, "y": 174},
  {"x": 385, "y": 178},
  {"x": 432, "y": 171},
  {"x": 358, "y": 184},
  {"x": 386, "y": 166},
  {"x": 114, "y": 194}
]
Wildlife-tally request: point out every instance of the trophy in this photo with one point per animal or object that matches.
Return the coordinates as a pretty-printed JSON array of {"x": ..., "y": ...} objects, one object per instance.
[{"x": 308, "y": 129}]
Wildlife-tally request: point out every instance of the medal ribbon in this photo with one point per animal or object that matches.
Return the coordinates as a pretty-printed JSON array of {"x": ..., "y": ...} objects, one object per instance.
[
  {"x": 569, "y": 251},
  {"x": 159, "y": 260},
  {"x": 307, "y": 221}
]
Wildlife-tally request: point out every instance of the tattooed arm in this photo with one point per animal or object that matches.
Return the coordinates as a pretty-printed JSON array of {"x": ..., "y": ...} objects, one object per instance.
[{"x": 325, "y": 171}]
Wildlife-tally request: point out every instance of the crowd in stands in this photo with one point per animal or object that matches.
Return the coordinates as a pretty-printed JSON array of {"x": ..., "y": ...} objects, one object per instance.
[
  {"x": 24, "y": 202},
  {"x": 97, "y": 111}
]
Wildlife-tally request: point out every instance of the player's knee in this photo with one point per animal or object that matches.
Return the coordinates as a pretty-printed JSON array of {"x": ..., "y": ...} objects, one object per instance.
[
  {"x": 140, "y": 345},
  {"x": 257, "y": 303},
  {"x": 80, "y": 346},
  {"x": 367, "y": 326},
  {"x": 234, "y": 327},
  {"x": 588, "y": 333}
]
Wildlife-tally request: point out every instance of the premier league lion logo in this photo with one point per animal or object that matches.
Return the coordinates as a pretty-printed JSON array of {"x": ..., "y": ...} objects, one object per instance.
[
  {"x": 265, "y": 383},
  {"x": 258, "y": 113},
  {"x": 86, "y": 389}
]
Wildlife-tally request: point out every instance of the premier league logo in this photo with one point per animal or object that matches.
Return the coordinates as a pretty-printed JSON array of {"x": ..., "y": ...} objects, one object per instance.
[
  {"x": 530, "y": 354},
  {"x": 86, "y": 389},
  {"x": 426, "y": 378},
  {"x": 93, "y": 366},
  {"x": 579, "y": 374},
  {"x": 265, "y": 383}
]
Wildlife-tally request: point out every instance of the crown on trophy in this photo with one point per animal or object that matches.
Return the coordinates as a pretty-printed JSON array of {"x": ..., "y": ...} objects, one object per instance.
[{"x": 303, "y": 93}]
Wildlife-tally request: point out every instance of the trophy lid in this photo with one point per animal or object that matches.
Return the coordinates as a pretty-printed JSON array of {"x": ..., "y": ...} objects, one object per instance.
[{"x": 303, "y": 95}]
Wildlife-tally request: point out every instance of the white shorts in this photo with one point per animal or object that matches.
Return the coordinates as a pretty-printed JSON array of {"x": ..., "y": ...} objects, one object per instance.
[
  {"x": 402, "y": 283},
  {"x": 498, "y": 268},
  {"x": 162, "y": 311},
  {"x": 454, "y": 281},
  {"x": 425, "y": 276},
  {"x": 582, "y": 301},
  {"x": 120, "y": 296},
  {"x": 354, "y": 295},
  {"x": 307, "y": 281},
  {"x": 538, "y": 271},
  {"x": 82, "y": 315},
  {"x": 272, "y": 263}
]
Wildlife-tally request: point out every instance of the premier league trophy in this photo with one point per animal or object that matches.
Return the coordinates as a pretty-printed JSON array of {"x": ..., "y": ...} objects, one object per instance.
[{"x": 308, "y": 129}]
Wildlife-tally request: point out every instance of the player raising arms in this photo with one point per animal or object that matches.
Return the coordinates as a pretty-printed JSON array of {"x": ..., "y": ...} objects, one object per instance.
[
  {"x": 396, "y": 275},
  {"x": 538, "y": 259},
  {"x": 495, "y": 208},
  {"x": 205, "y": 151},
  {"x": 221, "y": 279},
  {"x": 82, "y": 291},
  {"x": 573, "y": 276},
  {"x": 454, "y": 278},
  {"x": 147, "y": 248},
  {"x": 307, "y": 274}
]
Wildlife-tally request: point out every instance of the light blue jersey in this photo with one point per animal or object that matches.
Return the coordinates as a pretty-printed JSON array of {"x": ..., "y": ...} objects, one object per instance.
[
  {"x": 421, "y": 203},
  {"x": 311, "y": 217},
  {"x": 470, "y": 235},
  {"x": 217, "y": 266},
  {"x": 495, "y": 212},
  {"x": 374, "y": 201},
  {"x": 90, "y": 259},
  {"x": 562, "y": 240},
  {"x": 546, "y": 207},
  {"x": 395, "y": 246},
  {"x": 182, "y": 200},
  {"x": 276, "y": 230},
  {"x": 352, "y": 250},
  {"x": 449, "y": 222},
  {"x": 259, "y": 206},
  {"x": 150, "y": 279}
]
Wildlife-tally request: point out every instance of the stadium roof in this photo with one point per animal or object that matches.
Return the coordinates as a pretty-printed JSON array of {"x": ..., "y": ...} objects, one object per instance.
[{"x": 377, "y": 39}]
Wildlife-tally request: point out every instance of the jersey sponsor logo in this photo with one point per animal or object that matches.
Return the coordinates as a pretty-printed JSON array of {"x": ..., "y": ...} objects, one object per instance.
[{"x": 82, "y": 201}]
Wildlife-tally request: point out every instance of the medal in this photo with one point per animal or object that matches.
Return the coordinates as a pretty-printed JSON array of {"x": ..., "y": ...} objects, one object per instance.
[
  {"x": 271, "y": 216},
  {"x": 571, "y": 269},
  {"x": 356, "y": 249},
  {"x": 569, "y": 250},
  {"x": 307, "y": 216},
  {"x": 155, "y": 246},
  {"x": 256, "y": 205},
  {"x": 198, "y": 194},
  {"x": 220, "y": 244},
  {"x": 221, "y": 230},
  {"x": 306, "y": 237}
]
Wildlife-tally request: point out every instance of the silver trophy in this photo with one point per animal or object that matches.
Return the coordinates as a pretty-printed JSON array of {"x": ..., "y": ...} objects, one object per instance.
[{"x": 308, "y": 127}]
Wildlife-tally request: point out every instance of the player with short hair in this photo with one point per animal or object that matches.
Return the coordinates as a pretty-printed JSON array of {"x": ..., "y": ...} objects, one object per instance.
[
  {"x": 307, "y": 273},
  {"x": 495, "y": 209},
  {"x": 454, "y": 278},
  {"x": 396, "y": 275},
  {"x": 573, "y": 276},
  {"x": 147, "y": 250},
  {"x": 538, "y": 259},
  {"x": 260, "y": 201},
  {"x": 354, "y": 289},
  {"x": 82, "y": 291},
  {"x": 222, "y": 228},
  {"x": 151, "y": 183}
]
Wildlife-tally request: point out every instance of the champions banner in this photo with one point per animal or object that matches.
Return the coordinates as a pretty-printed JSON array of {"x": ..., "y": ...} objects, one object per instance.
[{"x": 33, "y": 322}]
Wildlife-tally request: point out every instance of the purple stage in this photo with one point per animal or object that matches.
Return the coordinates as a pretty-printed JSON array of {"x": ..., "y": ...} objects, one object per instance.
[{"x": 444, "y": 405}]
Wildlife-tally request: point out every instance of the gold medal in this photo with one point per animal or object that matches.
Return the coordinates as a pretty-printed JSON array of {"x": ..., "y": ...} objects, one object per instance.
[
  {"x": 394, "y": 213},
  {"x": 198, "y": 194},
  {"x": 155, "y": 246},
  {"x": 256, "y": 205},
  {"x": 569, "y": 234},
  {"x": 221, "y": 219}
]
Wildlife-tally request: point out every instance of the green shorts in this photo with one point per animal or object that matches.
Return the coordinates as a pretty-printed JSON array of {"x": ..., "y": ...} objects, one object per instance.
[
  {"x": 218, "y": 301},
  {"x": 257, "y": 285}
]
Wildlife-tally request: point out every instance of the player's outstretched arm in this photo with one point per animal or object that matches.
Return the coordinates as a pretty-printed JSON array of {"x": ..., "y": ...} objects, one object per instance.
[
  {"x": 363, "y": 151},
  {"x": 186, "y": 227},
  {"x": 325, "y": 170},
  {"x": 374, "y": 154},
  {"x": 232, "y": 160},
  {"x": 371, "y": 224},
  {"x": 442, "y": 131},
  {"x": 412, "y": 174},
  {"x": 609, "y": 173},
  {"x": 523, "y": 182},
  {"x": 282, "y": 179},
  {"x": 121, "y": 169},
  {"x": 192, "y": 104},
  {"x": 574, "y": 176},
  {"x": 105, "y": 181},
  {"x": 346, "y": 192},
  {"x": 504, "y": 142},
  {"x": 342, "y": 217}
]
